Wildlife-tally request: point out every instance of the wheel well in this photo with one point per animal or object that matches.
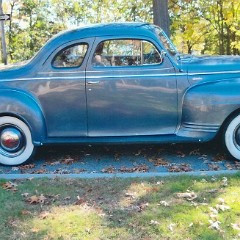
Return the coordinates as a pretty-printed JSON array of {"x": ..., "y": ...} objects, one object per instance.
[
  {"x": 227, "y": 121},
  {"x": 16, "y": 116}
]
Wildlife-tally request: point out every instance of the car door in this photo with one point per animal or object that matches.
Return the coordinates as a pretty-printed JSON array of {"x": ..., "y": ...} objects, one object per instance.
[
  {"x": 131, "y": 89},
  {"x": 60, "y": 88}
]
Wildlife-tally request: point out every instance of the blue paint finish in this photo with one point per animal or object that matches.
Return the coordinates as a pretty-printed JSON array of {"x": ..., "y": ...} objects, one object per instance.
[
  {"x": 185, "y": 98},
  {"x": 23, "y": 106}
]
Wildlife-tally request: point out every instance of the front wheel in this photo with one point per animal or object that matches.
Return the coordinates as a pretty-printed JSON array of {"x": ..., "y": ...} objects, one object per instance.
[
  {"x": 232, "y": 137},
  {"x": 16, "y": 144}
]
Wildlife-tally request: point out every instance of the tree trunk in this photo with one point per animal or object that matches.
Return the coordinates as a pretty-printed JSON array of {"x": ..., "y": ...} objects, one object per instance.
[
  {"x": 4, "y": 48},
  {"x": 160, "y": 15}
]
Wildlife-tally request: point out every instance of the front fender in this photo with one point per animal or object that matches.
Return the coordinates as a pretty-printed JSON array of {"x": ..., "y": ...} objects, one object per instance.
[
  {"x": 23, "y": 106},
  {"x": 207, "y": 105}
]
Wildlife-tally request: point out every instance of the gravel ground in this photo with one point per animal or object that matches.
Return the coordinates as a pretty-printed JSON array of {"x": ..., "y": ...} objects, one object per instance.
[{"x": 115, "y": 159}]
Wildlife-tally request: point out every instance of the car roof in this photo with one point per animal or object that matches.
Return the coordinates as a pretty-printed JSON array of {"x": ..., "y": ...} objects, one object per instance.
[
  {"x": 127, "y": 29},
  {"x": 111, "y": 28},
  {"x": 107, "y": 29}
]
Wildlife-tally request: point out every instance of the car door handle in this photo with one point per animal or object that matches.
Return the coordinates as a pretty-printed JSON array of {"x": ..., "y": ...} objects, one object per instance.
[{"x": 93, "y": 82}]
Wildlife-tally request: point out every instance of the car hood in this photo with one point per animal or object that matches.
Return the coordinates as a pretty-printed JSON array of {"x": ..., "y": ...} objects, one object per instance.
[{"x": 205, "y": 64}]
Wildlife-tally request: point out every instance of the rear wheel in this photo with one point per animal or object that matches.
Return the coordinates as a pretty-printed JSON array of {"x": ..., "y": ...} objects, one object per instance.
[
  {"x": 16, "y": 144},
  {"x": 232, "y": 137}
]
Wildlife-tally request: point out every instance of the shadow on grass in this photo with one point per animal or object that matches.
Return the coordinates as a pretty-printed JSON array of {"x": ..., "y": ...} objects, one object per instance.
[{"x": 122, "y": 209}]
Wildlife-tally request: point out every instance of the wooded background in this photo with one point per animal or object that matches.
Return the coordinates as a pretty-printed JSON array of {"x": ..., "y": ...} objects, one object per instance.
[{"x": 201, "y": 26}]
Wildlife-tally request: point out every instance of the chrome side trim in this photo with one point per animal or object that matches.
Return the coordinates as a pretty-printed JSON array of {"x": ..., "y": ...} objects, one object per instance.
[
  {"x": 199, "y": 127},
  {"x": 213, "y": 73}
]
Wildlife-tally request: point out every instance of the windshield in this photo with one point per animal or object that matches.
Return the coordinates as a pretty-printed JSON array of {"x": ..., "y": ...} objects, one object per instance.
[{"x": 168, "y": 45}]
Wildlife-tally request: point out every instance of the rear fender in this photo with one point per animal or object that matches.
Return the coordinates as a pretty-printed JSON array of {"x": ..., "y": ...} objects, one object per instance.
[
  {"x": 206, "y": 106},
  {"x": 26, "y": 108}
]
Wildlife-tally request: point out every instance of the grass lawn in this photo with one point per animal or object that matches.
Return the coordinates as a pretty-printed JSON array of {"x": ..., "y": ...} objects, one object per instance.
[{"x": 142, "y": 208}]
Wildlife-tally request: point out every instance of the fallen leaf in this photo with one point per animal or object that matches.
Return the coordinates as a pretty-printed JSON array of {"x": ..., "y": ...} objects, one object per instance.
[
  {"x": 158, "y": 161},
  {"x": 213, "y": 167},
  {"x": 213, "y": 210},
  {"x": 129, "y": 194},
  {"x": 27, "y": 166},
  {"x": 236, "y": 226},
  {"x": 180, "y": 168},
  {"x": 25, "y": 194},
  {"x": 164, "y": 203},
  {"x": 214, "y": 224},
  {"x": 195, "y": 152},
  {"x": 25, "y": 212},
  {"x": 140, "y": 168},
  {"x": 44, "y": 215},
  {"x": 9, "y": 186},
  {"x": 171, "y": 226},
  {"x": 224, "y": 181},
  {"x": 15, "y": 169},
  {"x": 153, "y": 222},
  {"x": 221, "y": 200},
  {"x": 108, "y": 170},
  {"x": 222, "y": 207},
  {"x": 36, "y": 199},
  {"x": 39, "y": 171},
  {"x": 33, "y": 199},
  {"x": 180, "y": 154},
  {"x": 68, "y": 161},
  {"x": 142, "y": 206},
  {"x": 80, "y": 201},
  {"x": 188, "y": 195},
  {"x": 219, "y": 157}
]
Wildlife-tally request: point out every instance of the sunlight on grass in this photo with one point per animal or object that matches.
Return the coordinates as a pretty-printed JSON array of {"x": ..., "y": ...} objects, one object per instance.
[
  {"x": 124, "y": 209},
  {"x": 137, "y": 191},
  {"x": 72, "y": 222}
]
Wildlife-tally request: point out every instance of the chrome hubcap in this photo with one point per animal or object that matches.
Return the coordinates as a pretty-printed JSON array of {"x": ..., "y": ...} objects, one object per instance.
[{"x": 11, "y": 139}]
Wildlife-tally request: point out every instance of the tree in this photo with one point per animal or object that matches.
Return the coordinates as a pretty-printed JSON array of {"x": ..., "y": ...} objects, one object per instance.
[
  {"x": 4, "y": 48},
  {"x": 160, "y": 15}
]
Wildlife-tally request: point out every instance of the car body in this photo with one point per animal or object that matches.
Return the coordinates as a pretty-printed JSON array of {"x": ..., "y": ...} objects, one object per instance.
[{"x": 117, "y": 83}]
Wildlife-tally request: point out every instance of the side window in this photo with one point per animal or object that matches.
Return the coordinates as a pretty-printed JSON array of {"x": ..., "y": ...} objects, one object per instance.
[
  {"x": 71, "y": 56},
  {"x": 125, "y": 52}
]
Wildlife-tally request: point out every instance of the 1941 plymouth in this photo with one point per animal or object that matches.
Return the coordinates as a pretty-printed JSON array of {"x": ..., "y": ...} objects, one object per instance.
[{"x": 117, "y": 83}]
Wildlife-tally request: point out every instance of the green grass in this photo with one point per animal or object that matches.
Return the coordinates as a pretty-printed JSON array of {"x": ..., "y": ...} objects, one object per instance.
[{"x": 120, "y": 209}]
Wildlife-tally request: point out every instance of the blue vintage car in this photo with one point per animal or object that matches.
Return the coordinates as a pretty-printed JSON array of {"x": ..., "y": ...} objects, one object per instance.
[{"x": 117, "y": 83}]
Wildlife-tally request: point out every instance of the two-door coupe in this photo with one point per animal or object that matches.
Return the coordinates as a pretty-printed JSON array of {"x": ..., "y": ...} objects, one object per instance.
[{"x": 115, "y": 83}]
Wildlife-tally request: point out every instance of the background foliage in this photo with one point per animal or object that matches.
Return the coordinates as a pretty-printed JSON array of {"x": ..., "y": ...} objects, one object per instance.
[{"x": 203, "y": 26}]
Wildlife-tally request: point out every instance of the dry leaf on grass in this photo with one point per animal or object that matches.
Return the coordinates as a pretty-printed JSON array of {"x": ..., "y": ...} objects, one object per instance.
[
  {"x": 80, "y": 201},
  {"x": 153, "y": 222},
  {"x": 44, "y": 215},
  {"x": 25, "y": 212},
  {"x": 187, "y": 195},
  {"x": 224, "y": 182},
  {"x": 171, "y": 226},
  {"x": 222, "y": 207},
  {"x": 9, "y": 186},
  {"x": 164, "y": 203},
  {"x": 36, "y": 199},
  {"x": 214, "y": 224},
  {"x": 131, "y": 194},
  {"x": 236, "y": 226}
]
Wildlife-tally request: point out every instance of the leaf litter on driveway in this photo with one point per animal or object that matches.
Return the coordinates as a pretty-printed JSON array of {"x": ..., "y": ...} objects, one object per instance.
[{"x": 113, "y": 159}]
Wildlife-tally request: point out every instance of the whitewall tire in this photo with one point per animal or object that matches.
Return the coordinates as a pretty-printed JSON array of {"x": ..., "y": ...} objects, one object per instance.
[
  {"x": 16, "y": 145},
  {"x": 232, "y": 137}
]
